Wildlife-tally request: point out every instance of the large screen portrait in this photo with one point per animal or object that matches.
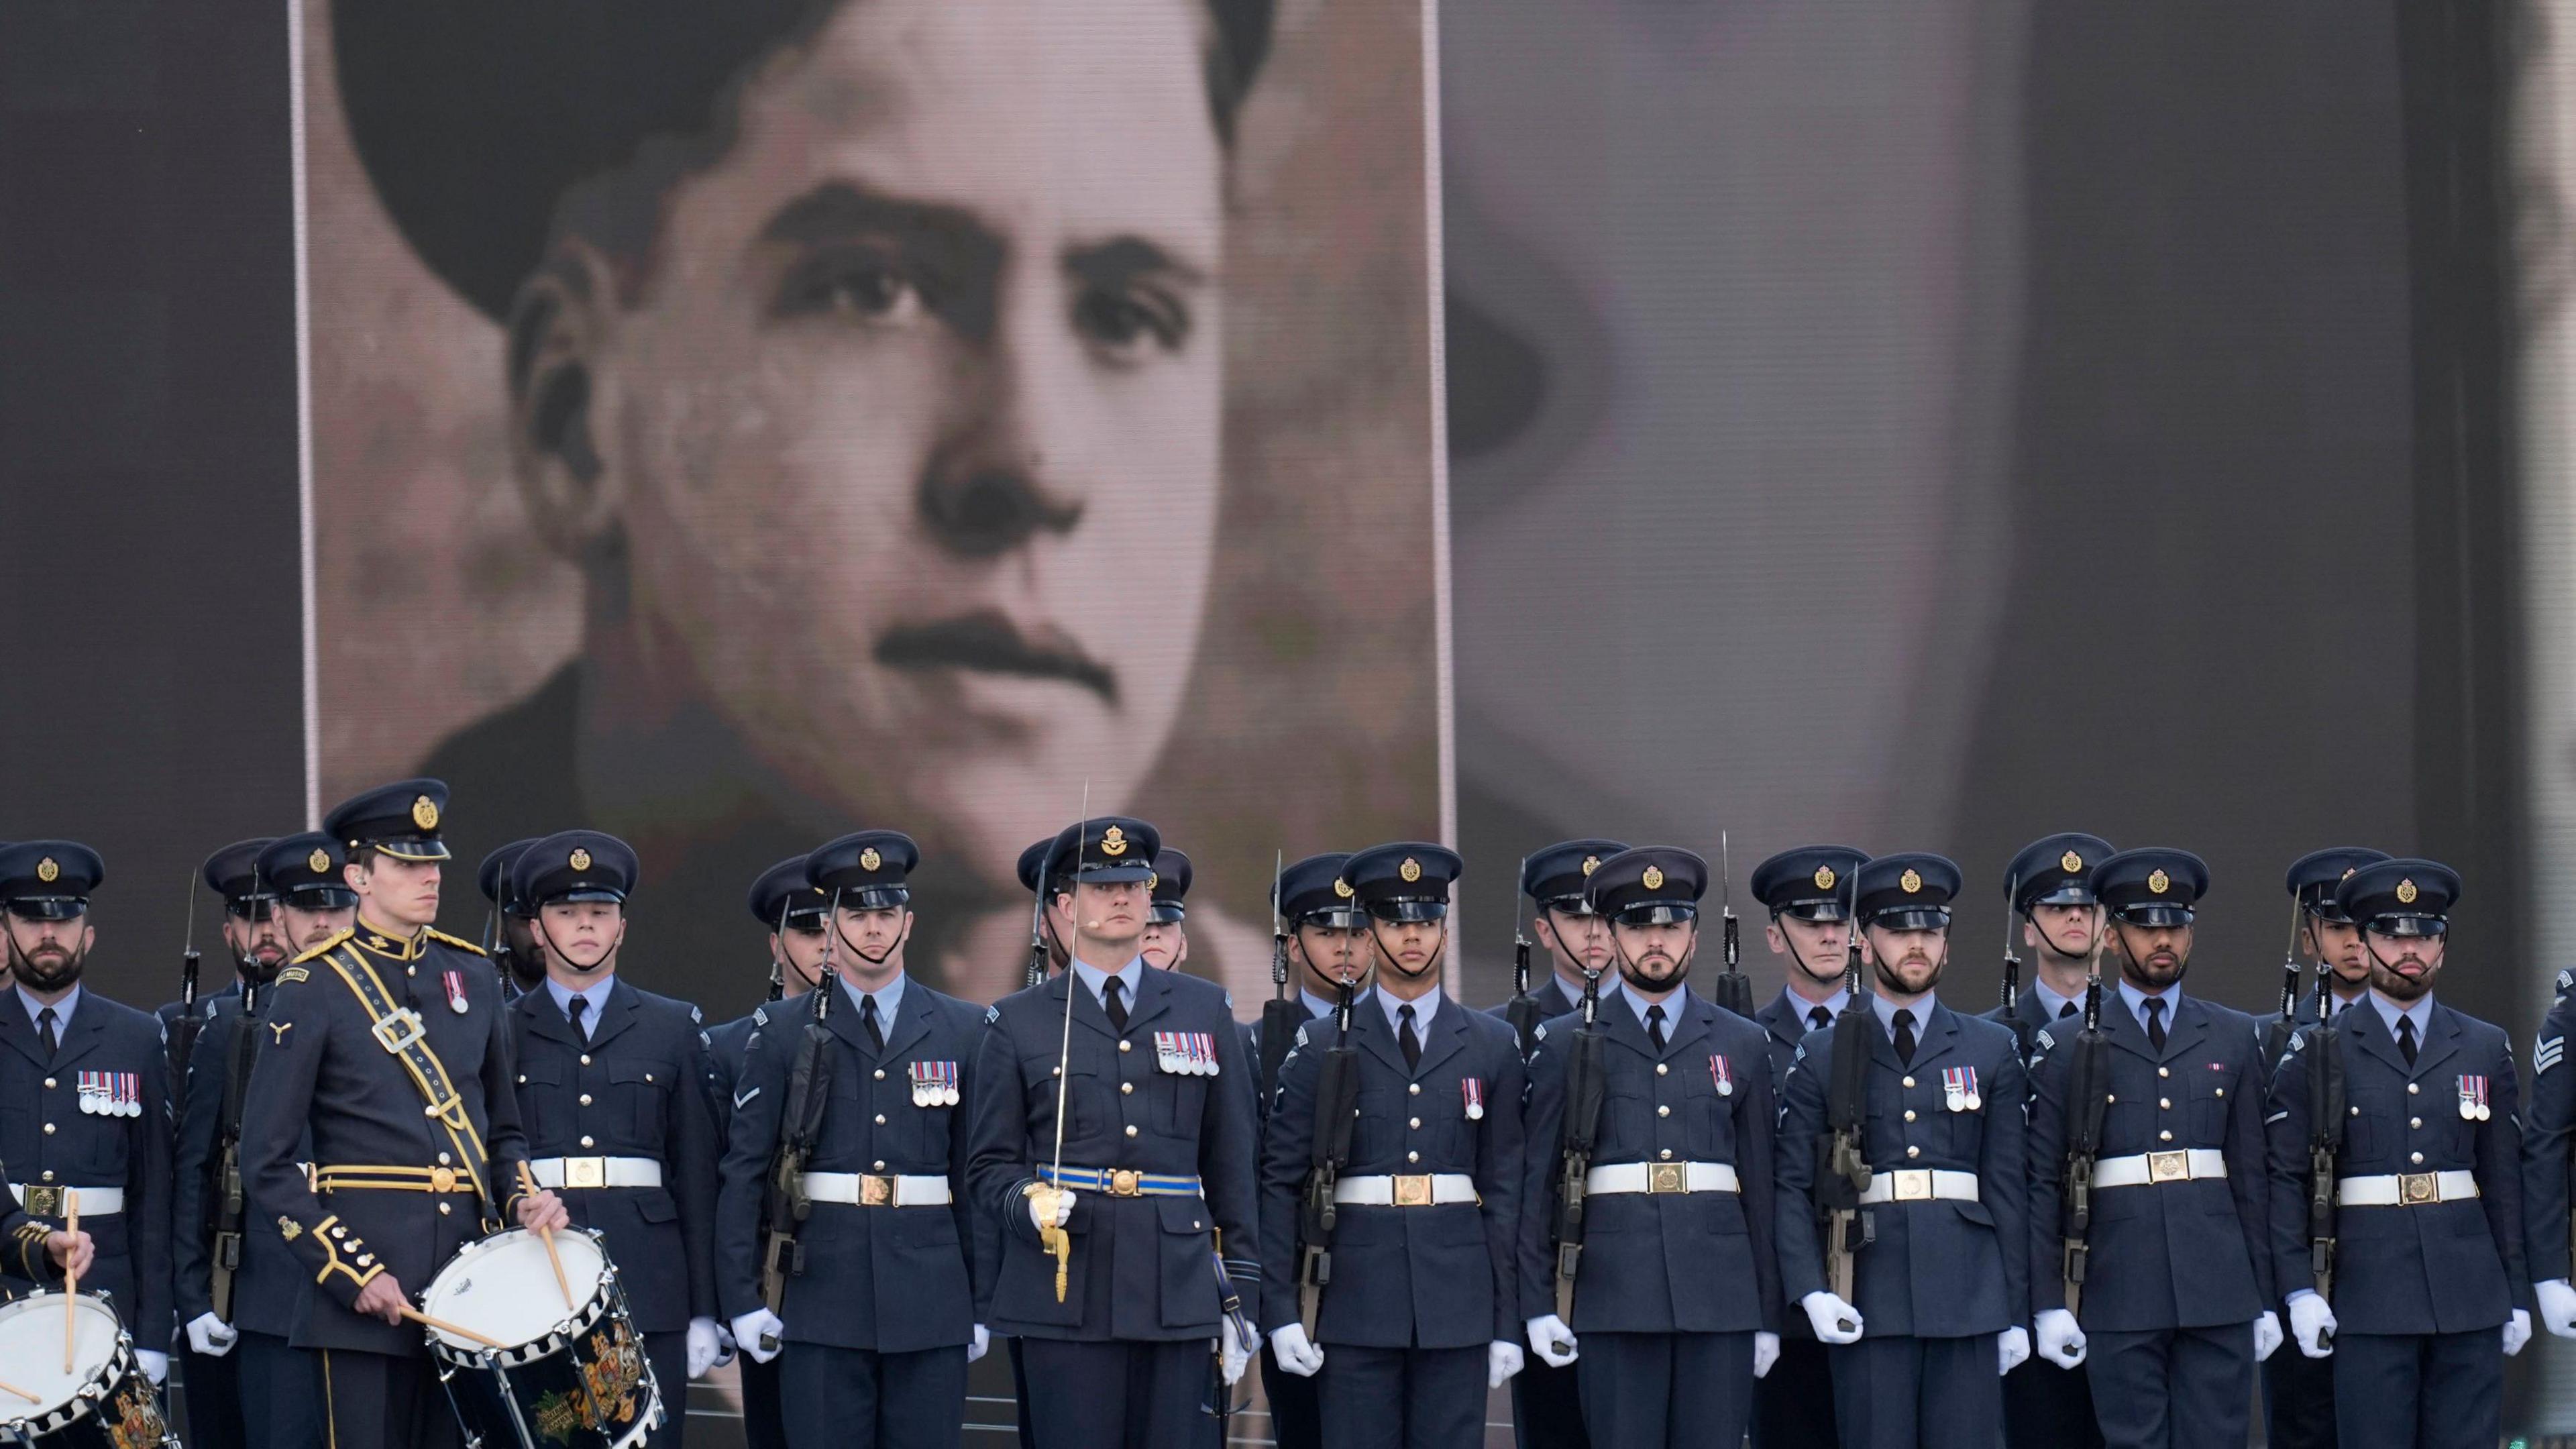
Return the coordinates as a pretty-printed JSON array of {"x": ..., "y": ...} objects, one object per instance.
[{"x": 733, "y": 425}]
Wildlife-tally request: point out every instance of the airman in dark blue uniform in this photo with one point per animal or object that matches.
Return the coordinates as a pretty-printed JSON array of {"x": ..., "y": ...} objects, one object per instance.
[
  {"x": 245, "y": 1383},
  {"x": 510, "y": 927},
  {"x": 1807, "y": 889},
  {"x": 2048, "y": 887},
  {"x": 1547, "y": 1404},
  {"x": 1167, "y": 936},
  {"x": 2175, "y": 1305},
  {"x": 1422, "y": 1313},
  {"x": 1677, "y": 1302},
  {"x": 1153, "y": 1201},
  {"x": 878, "y": 1316},
  {"x": 612, "y": 1097},
  {"x": 2429, "y": 1293},
  {"x": 395, "y": 1188},
  {"x": 2298, "y": 1391},
  {"x": 83, "y": 1116},
  {"x": 1943, "y": 1287}
]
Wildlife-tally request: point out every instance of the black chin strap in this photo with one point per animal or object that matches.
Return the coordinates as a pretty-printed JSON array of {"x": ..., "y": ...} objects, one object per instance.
[
  {"x": 1629, "y": 972},
  {"x": 1795, "y": 955},
  {"x": 538, "y": 923},
  {"x": 878, "y": 959},
  {"x": 1386, "y": 957}
]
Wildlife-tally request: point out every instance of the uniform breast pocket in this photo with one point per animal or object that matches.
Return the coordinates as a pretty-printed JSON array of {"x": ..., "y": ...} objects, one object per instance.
[
  {"x": 1179, "y": 1101},
  {"x": 542, "y": 1105},
  {"x": 643, "y": 1095},
  {"x": 2209, "y": 1104},
  {"x": 1080, "y": 1090}
]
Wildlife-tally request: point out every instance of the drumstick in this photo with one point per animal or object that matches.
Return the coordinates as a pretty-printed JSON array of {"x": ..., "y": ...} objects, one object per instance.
[
  {"x": 443, "y": 1326},
  {"x": 9, "y": 1388},
  {"x": 71, "y": 1278},
  {"x": 528, "y": 1184}
]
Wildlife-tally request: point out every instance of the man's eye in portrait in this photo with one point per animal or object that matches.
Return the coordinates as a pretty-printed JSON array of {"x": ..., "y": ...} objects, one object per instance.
[
  {"x": 867, "y": 284},
  {"x": 1127, "y": 328}
]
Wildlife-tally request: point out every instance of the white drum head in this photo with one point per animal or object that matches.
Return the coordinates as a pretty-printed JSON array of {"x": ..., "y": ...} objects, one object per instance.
[
  {"x": 503, "y": 1288},
  {"x": 31, "y": 1345}
]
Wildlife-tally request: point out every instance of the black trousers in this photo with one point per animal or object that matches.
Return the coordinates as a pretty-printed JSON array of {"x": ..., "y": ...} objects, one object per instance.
[
  {"x": 1403, "y": 1398},
  {"x": 762, "y": 1428},
  {"x": 281, "y": 1393},
  {"x": 1296, "y": 1415},
  {"x": 1644, "y": 1390},
  {"x": 1918, "y": 1393},
  {"x": 1793, "y": 1405},
  {"x": 853, "y": 1398},
  {"x": 2047, "y": 1407},
  {"x": 2418, "y": 1391},
  {"x": 210, "y": 1388},
  {"x": 1547, "y": 1407},
  {"x": 2177, "y": 1388},
  {"x": 377, "y": 1401},
  {"x": 669, "y": 1355},
  {"x": 1117, "y": 1395},
  {"x": 2299, "y": 1398}
]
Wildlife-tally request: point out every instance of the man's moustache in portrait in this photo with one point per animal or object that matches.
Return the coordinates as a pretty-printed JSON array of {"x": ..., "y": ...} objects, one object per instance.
[{"x": 989, "y": 642}]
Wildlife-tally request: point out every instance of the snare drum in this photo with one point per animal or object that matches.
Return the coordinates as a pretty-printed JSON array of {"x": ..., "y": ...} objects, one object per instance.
[
  {"x": 105, "y": 1402},
  {"x": 569, "y": 1379}
]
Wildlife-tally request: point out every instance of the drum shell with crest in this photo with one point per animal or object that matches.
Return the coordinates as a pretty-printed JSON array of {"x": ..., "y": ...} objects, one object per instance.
[
  {"x": 104, "y": 1402},
  {"x": 574, "y": 1378}
]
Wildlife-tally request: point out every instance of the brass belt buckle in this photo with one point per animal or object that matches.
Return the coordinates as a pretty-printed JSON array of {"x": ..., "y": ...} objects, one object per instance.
[
  {"x": 1125, "y": 1183},
  {"x": 1413, "y": 1189},
  {"x": 442, "y": 1179},
  {"x": 397, "y": 1030},
  {"x": 585, "y": 1172},
  {"x": 2168, "y": 1167},
  {"x": 43, "y": 1202},
  {"x": 875, "y": 1191},
  {"x": 2418, "y": 1187},
  {"x": 1913, "y": 1184},
  {"x": 1666, "y": 1177}
]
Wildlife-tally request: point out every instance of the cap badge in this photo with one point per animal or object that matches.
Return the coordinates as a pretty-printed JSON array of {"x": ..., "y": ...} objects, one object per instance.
[
  {"x": 869, "y": 859},
  {"x": 319, "y": 861},
  {"x": 580, "y": 859},
  {"x": 1911, "y": 880},
  {"x": 2347, "y": 872},
  {"x": 2406, "y": 892},
  {"x": 46, "y": 870},
  {"x": 1152, "y": 879},
  {"x": 1411, "y": 870},
  {"x": 1341, "y": 888},
  {"x": 2159, "y": 882},
  {"x": 1113, "y": 841},
  {"x": 424, "y": 812},
  {"x": 1591, "y": 863},
  {"x": 2070, "y": 862},
  {"x": 1824, "y": 877},
  {"x": 1653, "y": 879}
]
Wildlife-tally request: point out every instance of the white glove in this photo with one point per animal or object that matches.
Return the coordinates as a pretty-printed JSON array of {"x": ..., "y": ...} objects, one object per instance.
[
  {"x": 1828, "y": 1314},
  {"x": 1552, "y": 1341},
  {"x": 1502, "y": 1360},
  {"x": 724, "y": 1337},
  {"x": 1295, "y": 1352},
  {"x": 211, "y": 1336},
  {"x": 2557, "y": 1306},
  {"x": 1235, "y": 1350},
  {"x": 704, "y": 1347},
  {"x": 2517, "y": 1331},
  {"x": 980, "y": 1346},
  {"x": 156, "y": 1364},
  {"x": 2267, "y": 1335},
  {"x": 2310, "y": 1320},
  {"x": 2012, "y": 1347},
  {"x": 760, "y": 1334},
  {"x": 1766, "y": 1352},
  {"x": 1063, "y": 1211},
  {"x": 2061, "y": 1339}
]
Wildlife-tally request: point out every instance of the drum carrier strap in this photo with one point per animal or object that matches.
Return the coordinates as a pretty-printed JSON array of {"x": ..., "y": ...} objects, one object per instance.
[{"x": 399, "y": 1030}]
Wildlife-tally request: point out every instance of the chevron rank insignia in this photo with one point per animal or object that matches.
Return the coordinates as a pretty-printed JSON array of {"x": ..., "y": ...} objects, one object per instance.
[{"x": 2545, "y": 1053}]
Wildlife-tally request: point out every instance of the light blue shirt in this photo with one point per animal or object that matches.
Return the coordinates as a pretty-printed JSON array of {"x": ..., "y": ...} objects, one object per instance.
[
  {"x": 1887, "y": 1010},
  {"x": 1672, "y": 1006},
  {"x": 1799, "y": 1006},
  {"x": 1130, "y": 976},
  {"x": 1424, "y": 1008},
  {"x": 596, "y": 993},
  {"x": 2421, "y": 1013},
  {"x": 2171, "y": 996},
  {"x": 62, "y": 1009},
  {"x": 1323, "y": 1005},
  {"x": 2052, "y": 1005},
  {"x": 887, "y": 997}
]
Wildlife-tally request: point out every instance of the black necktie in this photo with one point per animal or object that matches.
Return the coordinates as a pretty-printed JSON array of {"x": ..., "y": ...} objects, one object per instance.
[
  {"x": 876, "y": 1033},
  {"x": 2156, "y": 1022},
  {"x": 1905, "y": 1036},
  {"x": 2406, "y": 1039},
  {"x": 1113, "y": 995},
  {"x": 1818, "y": 1018},
  {"x": 2066, "y": 1009},
  {"x": 1655, "y": 1028},
  {"x": 581, "y": 1016},
  {"x": 45, "y": 1032},
  {"x": 1406, "y": 1037}
]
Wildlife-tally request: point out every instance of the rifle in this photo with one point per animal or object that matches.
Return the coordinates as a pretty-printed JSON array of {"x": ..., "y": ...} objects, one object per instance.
[
  {"x": 1845, "y": 1171},
  {"x": 1283, "y": 1013},
  {"x": 225, "y": 1254},
  {"x": 1337, "y": 1088},
  {"x": 2325, "y": 1137},
  {"x": 1524, "y": 1011},
  {"x": 1586, "y": 1082},
  {"x": 2012, "y": 962},
  {"x": 2276, "y": 1037},
  {"x": 183, "y": 1032},
  {"x": 1733, "y": 990},
  {"x": 809, "y": 1091},
  {"x": 2088, "y": 1096}
]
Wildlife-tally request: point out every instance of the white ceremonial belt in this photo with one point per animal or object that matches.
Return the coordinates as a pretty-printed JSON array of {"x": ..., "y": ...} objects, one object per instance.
[
  {"x": 1920, "y": 1184},
  {"x": 1413, "y": 1189},
  {"x": 2146, "y": 1167},
  {"x": 555, "y": 1172},
  {"x": 875, "y": 1189},
  {"x": 2388, "y": 1189},
  {"x": 47, "y": 1200},
  {"x": 1662, "y": 1177}
]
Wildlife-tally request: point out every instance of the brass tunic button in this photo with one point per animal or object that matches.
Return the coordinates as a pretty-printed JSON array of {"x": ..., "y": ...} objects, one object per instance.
[
  {"x": 1663, "y": 1111},
  {"x": 880, "y": 1121},
  {"x": 1666, "y": 1154},
  {"x": 1413, "y": 1089},
  {"x": 1661, "y": 1069},
  {"x": 1125, "y": 1045},
  {"x": 2165, "y": 1136},
  {"x": 2165, "y": 1103},
  {"x": 444, "y": 1209},
  {"x": 585, "y": 1141},
  {"x": 1415, "y": 1124},
  {"x": 49, "y": 1174},
  {"x": 1409, "y": 1157},
  {"x": 2411, "y": 1089},
  {"x": 49, "y": 1129},
  {"x": 880, "y": 1074},
  {"x": 1913, "y": 1151},
  {"x": 1131, "y": 1129},
  {"x": 2415, "y": 1157},
  {"x": 585, "y": 1059},
  {"x": 2415, "y": 1122},
  {"x": 49, "y": 1083},
  {"x": 2356, "y": 1111},
  {"x": 879, "y": 1164},
  {"x": 445, "y": 1161},
  {"x": 2164, "y": 1071},
  {"x": 1126, "y": 1089},
  {"x": 1909, "y": 1081},
  {"x": 1909, "y": 1114},
  {"x": 585, "y": 1099},
  {"x": 523, "y": 1079},
  {"x": 2222, "y": 1091}
]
